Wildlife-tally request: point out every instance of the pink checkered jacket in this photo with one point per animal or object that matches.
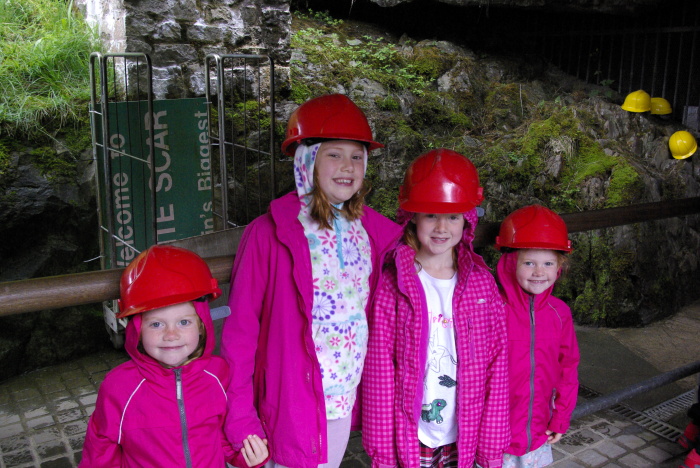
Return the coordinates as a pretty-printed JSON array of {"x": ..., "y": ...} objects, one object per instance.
[{"x": 392, "y": 381}]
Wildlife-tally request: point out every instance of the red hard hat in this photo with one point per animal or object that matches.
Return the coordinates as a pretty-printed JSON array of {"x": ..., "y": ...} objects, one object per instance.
[
  {"x": 162, "y": 276},
  {"x": 330, "y": 117},
  {"x": 534, "y": 227},
  {"x": 440, "y": 181}
]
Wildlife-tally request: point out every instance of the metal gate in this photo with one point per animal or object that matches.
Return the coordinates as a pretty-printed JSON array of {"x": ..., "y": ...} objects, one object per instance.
[
  {"x": 175, "y": 169},
  {"x": 242, "y": 125},
  {"x": 658, "y": 52}
]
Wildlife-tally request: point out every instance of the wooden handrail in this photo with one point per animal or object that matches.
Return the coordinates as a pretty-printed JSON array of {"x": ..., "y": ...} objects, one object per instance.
[{"x": 55, "y": 292}]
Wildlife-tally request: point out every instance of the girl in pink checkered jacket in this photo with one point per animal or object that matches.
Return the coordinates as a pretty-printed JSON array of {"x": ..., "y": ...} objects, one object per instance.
[{"x": 435, "y": 389}]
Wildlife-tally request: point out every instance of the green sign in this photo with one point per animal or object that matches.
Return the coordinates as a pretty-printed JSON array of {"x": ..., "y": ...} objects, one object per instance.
[{"x": 182, "y": 183}]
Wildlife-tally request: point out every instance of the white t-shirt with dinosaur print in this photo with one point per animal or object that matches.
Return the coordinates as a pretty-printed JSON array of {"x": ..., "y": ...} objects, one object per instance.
[{"x": 438, "y": 424}]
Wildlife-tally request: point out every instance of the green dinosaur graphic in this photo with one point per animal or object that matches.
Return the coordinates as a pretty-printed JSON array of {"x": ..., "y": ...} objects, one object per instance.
[{"x": 431, "y": 412}]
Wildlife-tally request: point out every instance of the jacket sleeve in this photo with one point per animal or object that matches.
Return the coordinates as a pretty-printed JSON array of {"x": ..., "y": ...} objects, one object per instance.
[
  {"x": 378, "y": 425},
  {"x": 241, "y": 330},
  {"x": 567, "y": 389},
  {"x": 101, "y": 448},
  {"x": 494, "y": 431}
]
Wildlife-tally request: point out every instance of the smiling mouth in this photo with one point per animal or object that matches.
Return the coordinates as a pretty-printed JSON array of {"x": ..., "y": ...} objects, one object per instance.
[
  {"x": 344, "y": 181},
  {"x": 171, "y": 348}
]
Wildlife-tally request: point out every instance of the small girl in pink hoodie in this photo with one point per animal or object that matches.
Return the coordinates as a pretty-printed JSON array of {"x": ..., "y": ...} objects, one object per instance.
[
  {"x": 166, "y": 406},
  {"x": 543, "y": 352}
]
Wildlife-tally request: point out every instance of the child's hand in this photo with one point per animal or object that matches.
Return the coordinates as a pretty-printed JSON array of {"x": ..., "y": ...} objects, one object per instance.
[
  {"x": 554, "y": 437},
  {"x": 254, "y": 450}
]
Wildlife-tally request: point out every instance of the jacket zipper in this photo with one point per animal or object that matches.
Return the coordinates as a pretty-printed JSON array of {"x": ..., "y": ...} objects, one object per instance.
[
  {"x": 532, "y": 373},
  {"x": 309, "y": 380},
  {"x": 183, "y": 417}
]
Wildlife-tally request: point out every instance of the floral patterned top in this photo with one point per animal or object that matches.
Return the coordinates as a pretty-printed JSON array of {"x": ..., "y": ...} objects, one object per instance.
[{"x": 341, "y": 267}]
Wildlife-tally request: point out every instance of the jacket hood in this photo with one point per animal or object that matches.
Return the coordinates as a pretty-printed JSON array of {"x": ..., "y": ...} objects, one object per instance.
[
  {"x": 508, "y": 283},
  {"x": 144, "y": 361}
]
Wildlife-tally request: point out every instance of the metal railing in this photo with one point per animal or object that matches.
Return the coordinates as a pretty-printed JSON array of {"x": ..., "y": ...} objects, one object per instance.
[
  {"x": 658, "y": 52},
  {"x": 613, "y": 398}
]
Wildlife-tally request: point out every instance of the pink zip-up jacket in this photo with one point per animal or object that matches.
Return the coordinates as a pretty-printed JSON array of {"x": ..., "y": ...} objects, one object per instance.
[
  {"x": 148, "y": 416},
  {"x": 277, "y": 391},
  {"x": 543, "y": 356},
  {"x": 392, "y": 382}
]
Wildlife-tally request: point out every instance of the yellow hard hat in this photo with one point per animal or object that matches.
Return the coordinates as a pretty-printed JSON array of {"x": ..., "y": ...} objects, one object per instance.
[
  {"x": 660, "y": 106},
  {"x": 637, "y": 101},
  {"x": 682, "y": 144}
]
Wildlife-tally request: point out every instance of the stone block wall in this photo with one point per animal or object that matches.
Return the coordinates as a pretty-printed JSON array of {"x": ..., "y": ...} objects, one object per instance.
[{"x": 179, "y": 34}]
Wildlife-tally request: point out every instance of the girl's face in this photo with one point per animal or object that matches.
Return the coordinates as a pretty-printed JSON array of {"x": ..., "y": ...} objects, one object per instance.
[
  {"x": 537, "y": 269},
  {"x": 340, "y": 168},
  {"x": 170, "y": 334},
  {"x": 438, "y": 233}
]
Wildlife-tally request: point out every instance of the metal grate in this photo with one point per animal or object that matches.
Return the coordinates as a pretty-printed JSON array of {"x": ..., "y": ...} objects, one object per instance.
[
  {"x": 672, "y": 407},
  {"x": 660, "y": 428}
]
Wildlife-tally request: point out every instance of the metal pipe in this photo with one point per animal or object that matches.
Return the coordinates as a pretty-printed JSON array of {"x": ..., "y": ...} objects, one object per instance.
[
  {"x": 55, "y": 292},
  {"x": 273, "y": 176},
  {"x": 656, "y": 63},
  {"x": 630, "y": 85},
  {"x": 622, "y": 57},
  {"x": 679, "y": 56},
  {"x": 611, "y": 399},
  {"x": 644, "y": 60},
  {"x": 691, "y": 66}
]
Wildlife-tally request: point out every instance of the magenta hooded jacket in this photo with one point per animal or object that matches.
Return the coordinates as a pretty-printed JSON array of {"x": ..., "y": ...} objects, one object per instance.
[
  {"x": 148, "y": 416},
  {"x": 392, "y": 382},
  {"x": 276, "y": 389},
  {"x": 543, "y": 356}
]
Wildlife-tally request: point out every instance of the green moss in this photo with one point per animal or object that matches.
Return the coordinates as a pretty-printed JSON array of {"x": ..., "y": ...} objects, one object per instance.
[
  {"x": 460, "y": 120},
  {"x": 4, "y": 159},
  {"x": 590, "y": 161},
  {"x": 384, "y": 200},
  {"x": 560, "y": 122},
  {"x": 625, "y": 186},
  {"x": 78, "y": 138},
  {"x": 54, "y": 166},
  {"x": 387, "y": 103},
  {"x": 431, "y": 62},
  {"x": 502, "y": 102}
]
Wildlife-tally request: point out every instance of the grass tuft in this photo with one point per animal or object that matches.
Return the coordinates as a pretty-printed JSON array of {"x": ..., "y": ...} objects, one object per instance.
[{"x": 44, "y": 55}]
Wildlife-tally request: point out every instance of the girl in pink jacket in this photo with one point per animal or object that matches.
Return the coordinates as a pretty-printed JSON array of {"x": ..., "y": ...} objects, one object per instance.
[
  {"x": 435, "y": 389},
  {"x": 543, "y": 352},
  {"x": 297, "y": 335},
  {"x": 166, "y": 407}
]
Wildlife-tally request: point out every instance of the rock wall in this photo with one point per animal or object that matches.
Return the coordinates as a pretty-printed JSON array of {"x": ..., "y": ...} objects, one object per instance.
[
  {"x": 179, "y": 34},
  {"x": 536, "y": 135}
]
